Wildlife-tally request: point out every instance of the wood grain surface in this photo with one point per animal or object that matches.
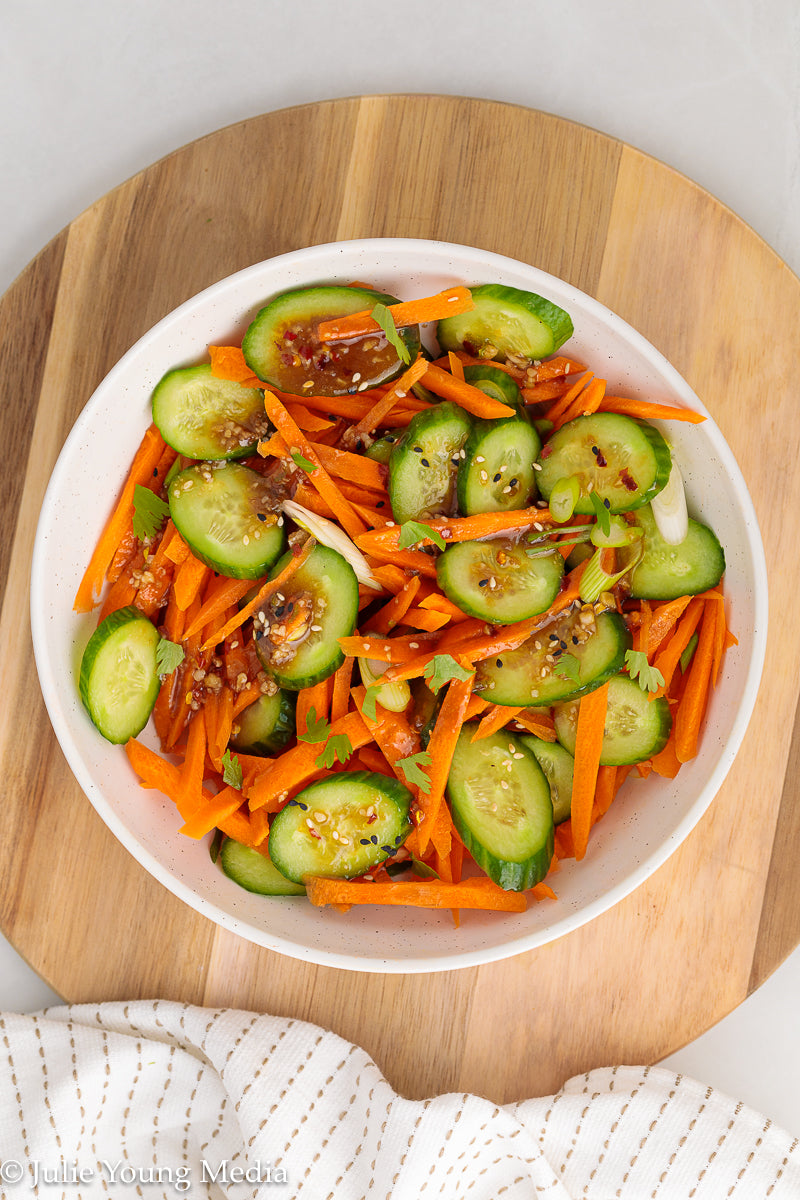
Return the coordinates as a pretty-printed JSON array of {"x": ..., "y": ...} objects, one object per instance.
[{"x": 711, "y": 924}]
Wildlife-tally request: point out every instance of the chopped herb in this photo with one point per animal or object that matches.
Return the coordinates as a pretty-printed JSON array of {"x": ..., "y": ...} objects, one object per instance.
[
  {"x": 412, "y": 769},
  {"x": 412, "y": 532},
  {"x": 337, "y": 748},
  {"x": 169, "y": 655},
  {"x": 316, "y": 730},
  {"x": 216, "y": 845},
  {"x": 149, "y": 512},
  {"x": 381, "y": 314},
  {"x": 231, "y": 770},
  {"x": 443, "y": 668},
  {"x": 569, "y": 667},
  {"x": 601, "y": 512},
  {"x": 649, "y": 678},
  {"x": 303, "y": 463}
]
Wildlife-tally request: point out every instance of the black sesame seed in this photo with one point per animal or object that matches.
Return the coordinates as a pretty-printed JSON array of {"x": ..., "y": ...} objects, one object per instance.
[
  {"x": 280, "y": 611},
  {"x": 374, "y": 839},
  {"x": 301, "y": 805},
  {"x": 497, "y": 477},
  {"x": 575, "y": 640},
  {"x": 563, "y": 645},
  {"x": 595, "y": 450},
  {"x": 398, "y": 839},
  {"x": 424, "y": 462},
  {"x": 607, "y": 503},
  {"x": 513, "y": 482},
  {"x": 291, "y": 803},
  {"x": 261, "y": 516},
  {"x": 380, "y": 504},
  {"x": 499, "y": 662},
  {"x": 418, "y": 449},
  {"x": 155, "y": 472},
  {"x": 483, "y": 583},
  {"x": 554, "y": 637},
  {"x": 364, "y": 841},
  {"x": 386, "y": 849},
  {"x": 290, "y": 606}
]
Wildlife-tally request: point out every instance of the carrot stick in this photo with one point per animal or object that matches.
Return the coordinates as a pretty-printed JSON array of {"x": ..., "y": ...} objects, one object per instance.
[
  {"x": 210, "y": 811},
  {"x": 297, "y": 442},
  {"x": 144, "y": 463},
  {"x": 227, "y": 362},
  {"x": 449, "y": 303},
  {"x": 692, "y": 706},
  {"x": 495, "y": 718},
  {"x": 381, "y": 408},
  {"x": 605, "y": 792},
  {"x": 383, "y": 649},
  {"x": 456, "y": 366},
  {"x": 155, "y": 772},
  {"x": 219, "y": 734},
  {"x": 393, "y": 612},
  {"x": 479, "y": 893},
  {"x": 224, "y": 594},
  {"x": 663, "y": 620},
  {"x": 189, "y": 580},
  {"x": 587, "y": 401},
  {"x": 308, "y": 421},
  {"x": 588, "y": 745},
  {"x": 425, "y": 618},
  {"x": 441, "y": 749},
  {"x": 317, "y": 697},
  {"x": 291, "y": 769},
  {"x": 340, "y": 698},
  {"x": 555, "y": 410},
  {"x": 463, "y": 529},
  {"x": 268, "y": 589},
  {"x": 540, "y": 724},
  {"x": 668, "y": 657},
  {"x": 470, "y": 398},
  {"x": 648, "y": 410},
  {"x": 193, "y": 768},
  {"x": 343, "y": 464}
]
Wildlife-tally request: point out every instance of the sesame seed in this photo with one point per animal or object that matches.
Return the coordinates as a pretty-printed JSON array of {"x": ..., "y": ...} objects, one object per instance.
[
  {"x": 536, "y": 466},
  {"x": 479, "y": 458},
  {"x": 413, "y": 645}
]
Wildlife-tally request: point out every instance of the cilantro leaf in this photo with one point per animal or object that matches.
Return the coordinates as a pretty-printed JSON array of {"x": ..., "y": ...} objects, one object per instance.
[
  {"x": 441, "y": 669},
  {"x": 649, "y": 678},
  {"x": 303, "y": 463},
  {"x": 316, "y": 730},
  {"x": 337, "y": 748},
  {"x": 169, "y": 655},
  {"x": 149, "y": 512},
  {"x": 412, "y": 765},
  {"x": 412, "y": 532},
  {"x": 569, "y": 667},
  {"x": 601, "y": 512},
  {"x": 231, "y": 770},
  {"x": 370, "y": 699},
  {"x": 381, "y": 314}
]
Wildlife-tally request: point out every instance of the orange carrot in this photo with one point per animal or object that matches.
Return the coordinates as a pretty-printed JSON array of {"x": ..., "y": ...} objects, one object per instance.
[
  {"x": 561, "y": 405},
  {"x": 495, "y": 718},
  {"x": 376, "y": 415},
  {"x": 189, "y": 580},
  {"x": 470, "y": 398},
  {"x": 692, "y": 705},
  {"x": 463, "y": 529},
  {"x": 227, "y": 362},
  {"x": 540, "y": 724},
  {"x": 224, "y": 594},
  {"x": 423, "y": 893},
  {"x": 211, "y": 811},
  {"x": 340, "y": 697},
  {"x": 668, "y": 657},
  {"x": 392, "y": 612},
  {"x": 155, "y": 772},
  {"x": 587, "y": 401},
  {"x": 425, "y": 618},
  {"x": 456, "y": 366},
  {"x": 318, "y": 698},
  {"x": 648, "y": 410},
  {"x": 298, "y": 443},
  {"x": 441, "y": 749},
  {"x": 605, "y": 792},
  {"x": 662, "y": 621},
  {"x": 450, "y": 303},
  {"x": 144, "y": 463},
  {"x": 588, "y": 745}
]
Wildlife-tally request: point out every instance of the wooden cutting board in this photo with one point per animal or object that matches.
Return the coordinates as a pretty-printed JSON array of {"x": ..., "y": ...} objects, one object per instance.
[{"x": 684, "y": 949}]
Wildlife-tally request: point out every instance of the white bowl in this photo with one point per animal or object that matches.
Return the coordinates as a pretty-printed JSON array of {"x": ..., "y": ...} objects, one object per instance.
[{"x": 649, "y": 819}]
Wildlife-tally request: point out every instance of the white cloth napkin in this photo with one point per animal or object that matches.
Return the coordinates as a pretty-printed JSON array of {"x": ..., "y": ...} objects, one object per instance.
[{"x": 157, "y": 1099}]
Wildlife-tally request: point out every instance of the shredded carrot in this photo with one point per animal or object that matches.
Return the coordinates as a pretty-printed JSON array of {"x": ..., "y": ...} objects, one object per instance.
[
  {"x": 145, "y": 462},
  {"x": 316, "y": 698},
  {"x": 266, "y": 590},
  {"x": 470, "y": 398},
  {"x": 588, "y": 746},
  {"x": 441, "y": 749},
  {"x": 396, "y": 608},
  {"x": 540, "y": 724},
  {"x": 296, "y": 766},
  {"x": 450, "y": 303},
  {"x": 649, "y": 411},
  {"x": 381, "y": 408},
  {"x": 227, "y": 592},
  {"x": 227, "y": 362},
  {"x": 692, "y": 705},
  {"x": 423, "y": 893},
  {"x": 588, "y": 400},
  {"x": 456, "y": 366},
  {"x": 494, "y": 719}
]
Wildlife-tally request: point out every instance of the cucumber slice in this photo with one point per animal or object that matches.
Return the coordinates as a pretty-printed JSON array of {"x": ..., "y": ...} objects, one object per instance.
[
  {"x": 500, "y": 801},
  {"x": 118, "y": 679},
  {"x": 296, "y": 632},
  {"x": 497, "y": 581},
  {"x": 506, "y": 322},
  {"x": 637, "y": 726},
  {"x": 497, "y": 472},
  {"x": 223, "y": 515},
  {"x": 588, "y": 650},
  {"x": 381, "y": 450},
  {"x": 282, "y": 348},
  {"x": 422, "y": 468},
  {"x": 494, "y": 382},
  {"x": 666, "y": 572},
  {"x": 266, "y": 725},
  {"x": 558, "y": 766},
  {"x": 208, "y": 418},
  {"x": 341, "y": 826},
  {"x": 623, "y": 461},
  {"x": 254, "y": 871}
]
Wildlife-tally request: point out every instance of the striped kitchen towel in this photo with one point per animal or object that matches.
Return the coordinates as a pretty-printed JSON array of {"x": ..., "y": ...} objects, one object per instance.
[{"x": 160, "y": 1099}]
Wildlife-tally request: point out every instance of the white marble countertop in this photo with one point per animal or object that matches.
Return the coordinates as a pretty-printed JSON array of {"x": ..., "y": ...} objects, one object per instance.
[{"x": 92, "y": 92}]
